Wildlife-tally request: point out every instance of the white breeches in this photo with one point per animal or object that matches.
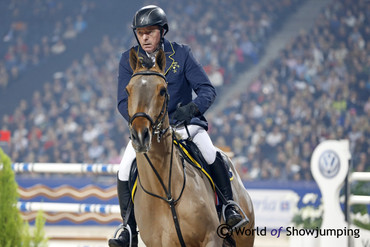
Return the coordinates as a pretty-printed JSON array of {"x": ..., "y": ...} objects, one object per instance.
[{"x": 200, "y": 138}]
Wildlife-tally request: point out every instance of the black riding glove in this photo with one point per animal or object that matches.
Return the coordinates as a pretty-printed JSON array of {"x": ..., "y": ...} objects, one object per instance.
[{"x": 186, "y": 113}]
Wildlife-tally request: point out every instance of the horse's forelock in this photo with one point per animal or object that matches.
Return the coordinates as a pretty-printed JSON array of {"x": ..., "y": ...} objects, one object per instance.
[{"x": 146, "y": 62}]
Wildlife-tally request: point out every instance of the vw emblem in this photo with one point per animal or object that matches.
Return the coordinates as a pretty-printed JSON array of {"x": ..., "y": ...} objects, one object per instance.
[{"x": 329, "y": 164}]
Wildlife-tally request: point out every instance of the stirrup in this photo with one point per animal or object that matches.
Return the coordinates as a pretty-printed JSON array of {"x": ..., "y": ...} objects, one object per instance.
[
  {"x": 245, "y": 219},
  {"x": 124, "y": 227}
]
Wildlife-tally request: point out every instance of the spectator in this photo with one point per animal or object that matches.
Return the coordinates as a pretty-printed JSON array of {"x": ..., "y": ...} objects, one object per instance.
[
  {"x": 58, "y": 48},
  {"x": 80, "y": 24}
]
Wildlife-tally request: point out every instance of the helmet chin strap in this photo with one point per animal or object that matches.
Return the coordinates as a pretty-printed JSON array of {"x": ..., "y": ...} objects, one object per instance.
[
  {"x": 162, "y": 39},
  {"x": 136, "y": 37}
]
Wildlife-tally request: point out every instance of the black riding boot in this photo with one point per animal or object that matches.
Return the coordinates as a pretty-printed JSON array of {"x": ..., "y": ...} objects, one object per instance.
[
  {"x": 123, "y": 239},
  {"x": 220, "y": 175}
]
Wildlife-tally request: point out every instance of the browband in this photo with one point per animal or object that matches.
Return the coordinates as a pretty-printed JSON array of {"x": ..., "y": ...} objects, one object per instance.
[{"x": 149, "y": 72}]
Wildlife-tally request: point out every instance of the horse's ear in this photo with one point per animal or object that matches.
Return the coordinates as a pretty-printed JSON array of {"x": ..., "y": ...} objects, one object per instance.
[
  {"x": 134, "y": 60},
  {"x": 160, "y": 60}
]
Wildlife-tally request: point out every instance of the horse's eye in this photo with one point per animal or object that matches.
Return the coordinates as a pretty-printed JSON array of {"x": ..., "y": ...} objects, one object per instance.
[{"x": 163, "y": 91}]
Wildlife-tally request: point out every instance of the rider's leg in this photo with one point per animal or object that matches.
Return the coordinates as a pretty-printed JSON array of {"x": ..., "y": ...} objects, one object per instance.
[
  {"x": 219, "y": 172},
  {"x": 220, "y": 175},
  {"x": 124, "y": 198}
]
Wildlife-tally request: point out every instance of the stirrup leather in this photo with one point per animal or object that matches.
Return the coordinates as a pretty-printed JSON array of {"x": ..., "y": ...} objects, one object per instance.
[{"x": 245, "y": 219}]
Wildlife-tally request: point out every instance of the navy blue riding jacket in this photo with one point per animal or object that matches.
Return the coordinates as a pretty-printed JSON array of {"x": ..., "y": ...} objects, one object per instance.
[{"x": 183, "y": 74}]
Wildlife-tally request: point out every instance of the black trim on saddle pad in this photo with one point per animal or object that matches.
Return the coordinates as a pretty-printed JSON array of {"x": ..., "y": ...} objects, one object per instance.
[{"x": 194, "y": 152}]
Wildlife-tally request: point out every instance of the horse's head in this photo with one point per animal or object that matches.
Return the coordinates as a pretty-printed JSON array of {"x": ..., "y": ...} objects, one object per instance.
[{"x": 147, "y": 99}]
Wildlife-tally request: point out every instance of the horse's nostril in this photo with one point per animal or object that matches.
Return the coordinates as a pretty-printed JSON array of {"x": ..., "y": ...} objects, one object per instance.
[
  {"x": 146, "y": 134},
  {"x": 134, "y": 135}
]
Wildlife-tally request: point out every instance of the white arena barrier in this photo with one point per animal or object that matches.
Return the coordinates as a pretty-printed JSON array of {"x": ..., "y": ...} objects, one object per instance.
[
  {"x": 68, "y": 207},
  {"x": 65, "y": 168},
  {"x": 330, "y": 164},
  {"x": 357, "y": 199},
  {"x": 354, "y": 199}
]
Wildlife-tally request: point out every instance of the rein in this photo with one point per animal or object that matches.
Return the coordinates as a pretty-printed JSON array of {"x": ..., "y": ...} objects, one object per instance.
[
  {"x": 169, "y": 200},
  {"x": 156, "y": 129}
]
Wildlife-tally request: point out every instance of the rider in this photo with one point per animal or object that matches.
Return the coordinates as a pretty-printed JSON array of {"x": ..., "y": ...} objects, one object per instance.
[{"x": 183, "y": 74}]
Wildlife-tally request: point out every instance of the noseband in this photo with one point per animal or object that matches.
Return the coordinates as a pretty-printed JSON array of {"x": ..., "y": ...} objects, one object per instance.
[{"x": 157, "y": 124}]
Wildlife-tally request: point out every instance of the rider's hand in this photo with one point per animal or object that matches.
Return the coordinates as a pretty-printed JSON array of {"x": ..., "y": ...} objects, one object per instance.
[{"x": 186, "y": 113}]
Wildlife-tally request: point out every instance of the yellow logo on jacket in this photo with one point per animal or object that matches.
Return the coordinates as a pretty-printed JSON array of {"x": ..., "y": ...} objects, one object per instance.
[{"x": 175, "y": 66}]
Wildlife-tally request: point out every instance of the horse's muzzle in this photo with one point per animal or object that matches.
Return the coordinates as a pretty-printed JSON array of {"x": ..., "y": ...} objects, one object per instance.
[{"x": 141, "y": 140}]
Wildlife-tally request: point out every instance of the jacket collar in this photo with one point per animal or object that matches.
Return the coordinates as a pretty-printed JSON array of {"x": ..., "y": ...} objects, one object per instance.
[{"x": 169, "y": 51}]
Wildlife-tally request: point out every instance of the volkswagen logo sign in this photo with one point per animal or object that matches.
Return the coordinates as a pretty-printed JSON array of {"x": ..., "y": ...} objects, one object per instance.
[{"x": 329, "y": 164}]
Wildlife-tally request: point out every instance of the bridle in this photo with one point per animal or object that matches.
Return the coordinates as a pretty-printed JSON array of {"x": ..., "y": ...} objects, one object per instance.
[
  {"x": 157, "y": 129},
  {"x": 157, "y": 124}
]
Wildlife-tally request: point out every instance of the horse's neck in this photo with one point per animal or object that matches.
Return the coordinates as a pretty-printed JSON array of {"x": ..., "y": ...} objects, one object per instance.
[{"x": 161, "y": 158}]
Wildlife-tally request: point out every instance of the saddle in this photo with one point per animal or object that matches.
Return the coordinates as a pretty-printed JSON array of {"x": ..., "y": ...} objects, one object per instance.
[{"x": 191, "y": 153}]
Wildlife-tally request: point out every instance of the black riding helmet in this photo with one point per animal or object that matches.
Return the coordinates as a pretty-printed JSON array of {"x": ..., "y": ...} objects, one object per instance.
[{"x": 150, "y": 15}]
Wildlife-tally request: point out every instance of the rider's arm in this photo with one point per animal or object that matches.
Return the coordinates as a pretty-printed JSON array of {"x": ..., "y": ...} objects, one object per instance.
[
  {"x": 199, "y": 82},
  {"x": 124, "y": 76}
]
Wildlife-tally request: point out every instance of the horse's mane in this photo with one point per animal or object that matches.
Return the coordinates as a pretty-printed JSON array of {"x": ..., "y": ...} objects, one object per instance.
[{"x": 146, "y": 61}]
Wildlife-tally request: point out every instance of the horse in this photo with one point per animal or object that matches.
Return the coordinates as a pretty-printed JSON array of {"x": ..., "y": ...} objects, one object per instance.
[{"x": 174, "y": 203}]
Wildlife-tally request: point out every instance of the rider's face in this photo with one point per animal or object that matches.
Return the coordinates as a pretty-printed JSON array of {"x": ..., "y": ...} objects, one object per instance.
[{"x": 149, "y": 38}]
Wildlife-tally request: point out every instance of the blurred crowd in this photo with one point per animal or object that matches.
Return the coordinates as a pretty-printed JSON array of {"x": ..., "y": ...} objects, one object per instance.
[
  {"x": 226, "y": 36},
  {"x": 74, "y": 118},
  {"x": 317, "y": 89},
  {"x": 35, "y": 30}
]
